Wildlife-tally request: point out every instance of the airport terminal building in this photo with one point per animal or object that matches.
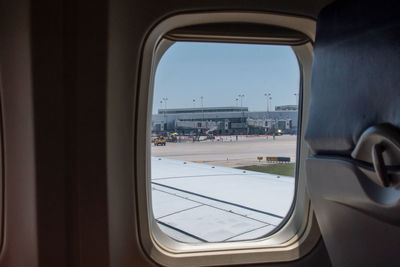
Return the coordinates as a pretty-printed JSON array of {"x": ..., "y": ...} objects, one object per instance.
[{"x": 225, "y": 120}]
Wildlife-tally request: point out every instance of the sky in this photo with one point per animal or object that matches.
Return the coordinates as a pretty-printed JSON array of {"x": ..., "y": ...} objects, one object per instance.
[{"x": 221, "y": 72}]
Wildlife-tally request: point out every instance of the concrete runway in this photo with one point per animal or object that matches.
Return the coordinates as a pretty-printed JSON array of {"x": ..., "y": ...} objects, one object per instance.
[{"x": 230, "y": 153}]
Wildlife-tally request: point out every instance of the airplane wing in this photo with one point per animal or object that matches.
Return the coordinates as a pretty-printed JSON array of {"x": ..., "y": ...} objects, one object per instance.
[{"x": 195, "y": 202}]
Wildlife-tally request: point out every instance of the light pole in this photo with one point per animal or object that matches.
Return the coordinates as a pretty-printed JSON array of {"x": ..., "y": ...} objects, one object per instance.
[
  {"x": 241, "y": 99},
  {"x": 165, "y": 99},
  {"x": 295, "y": 95},
  {"x": 161, "y": 107},
  {"x": 272, "y": 119},
  {"x": 194, "y": 103},
  {"x": 237, "y": 100},
  {"x": 267, "y": 95},
  {"x": 241, "y": 106},
  {"x": 270, "y": 102},
  {"x": 202, "y": 107}
]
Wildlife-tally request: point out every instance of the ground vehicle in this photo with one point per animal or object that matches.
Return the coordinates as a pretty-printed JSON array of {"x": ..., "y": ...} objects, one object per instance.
[
  {"x": 68, "y": 81},
  {"x": 160, "y": 141},
  {"x": 172, "y": 137}
]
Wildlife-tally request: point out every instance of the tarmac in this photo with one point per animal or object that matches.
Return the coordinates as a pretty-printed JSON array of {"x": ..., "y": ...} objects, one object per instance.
[{"x": 229, "y": 152}]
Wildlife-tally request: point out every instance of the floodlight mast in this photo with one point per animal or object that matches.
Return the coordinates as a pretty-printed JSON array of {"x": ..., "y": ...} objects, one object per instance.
[
  {"x": 202, "y": 107},
  {"x": 267, "y": 95},
  {"x": 241, "y": 96},
  {"x": 164, "y": 100}
]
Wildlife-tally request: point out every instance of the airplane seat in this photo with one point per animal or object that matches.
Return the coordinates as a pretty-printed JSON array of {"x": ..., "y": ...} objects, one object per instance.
[{"x": 354, "y": 132}]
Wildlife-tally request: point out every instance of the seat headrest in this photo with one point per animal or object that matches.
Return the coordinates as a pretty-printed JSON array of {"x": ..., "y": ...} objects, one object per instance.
[{"x": 355, "y": 74}]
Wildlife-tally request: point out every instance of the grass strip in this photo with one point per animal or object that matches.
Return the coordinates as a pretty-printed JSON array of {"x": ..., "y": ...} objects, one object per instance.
[{"x": 285, "y": 169}]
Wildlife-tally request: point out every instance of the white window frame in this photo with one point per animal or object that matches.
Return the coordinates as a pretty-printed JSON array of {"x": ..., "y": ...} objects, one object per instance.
[{"x": 300, "y": 232}]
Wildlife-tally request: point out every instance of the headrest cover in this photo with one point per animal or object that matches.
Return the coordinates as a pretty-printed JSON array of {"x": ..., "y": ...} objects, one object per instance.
[{"x": 355, "y": 75}]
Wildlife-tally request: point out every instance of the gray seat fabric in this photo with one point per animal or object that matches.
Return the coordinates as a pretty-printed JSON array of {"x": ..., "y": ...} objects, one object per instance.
[
  {"x": 355, "y": 85},
  {"x": 356, "y": 77}
]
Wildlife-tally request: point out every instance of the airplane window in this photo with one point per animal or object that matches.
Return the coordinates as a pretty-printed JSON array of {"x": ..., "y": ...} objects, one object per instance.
[{"x": 224, "y": 140}]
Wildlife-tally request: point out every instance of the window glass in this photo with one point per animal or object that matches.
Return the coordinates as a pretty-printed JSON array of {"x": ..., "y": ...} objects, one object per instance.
[{"x": 223, "y": 140}]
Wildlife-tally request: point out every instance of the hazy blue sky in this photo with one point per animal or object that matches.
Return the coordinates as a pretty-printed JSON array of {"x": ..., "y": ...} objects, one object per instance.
[{"x": 220, "y": 72}]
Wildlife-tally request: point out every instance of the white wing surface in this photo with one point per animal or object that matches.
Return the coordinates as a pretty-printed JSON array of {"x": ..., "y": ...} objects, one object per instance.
[{"x": 195, "y": 202}]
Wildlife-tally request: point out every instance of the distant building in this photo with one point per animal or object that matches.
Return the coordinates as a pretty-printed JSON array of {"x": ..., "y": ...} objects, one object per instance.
[
  {"x": 223, "y": 121},
  {"x": 200, "y": 110},
  {"x": 286, "y": 107}
]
